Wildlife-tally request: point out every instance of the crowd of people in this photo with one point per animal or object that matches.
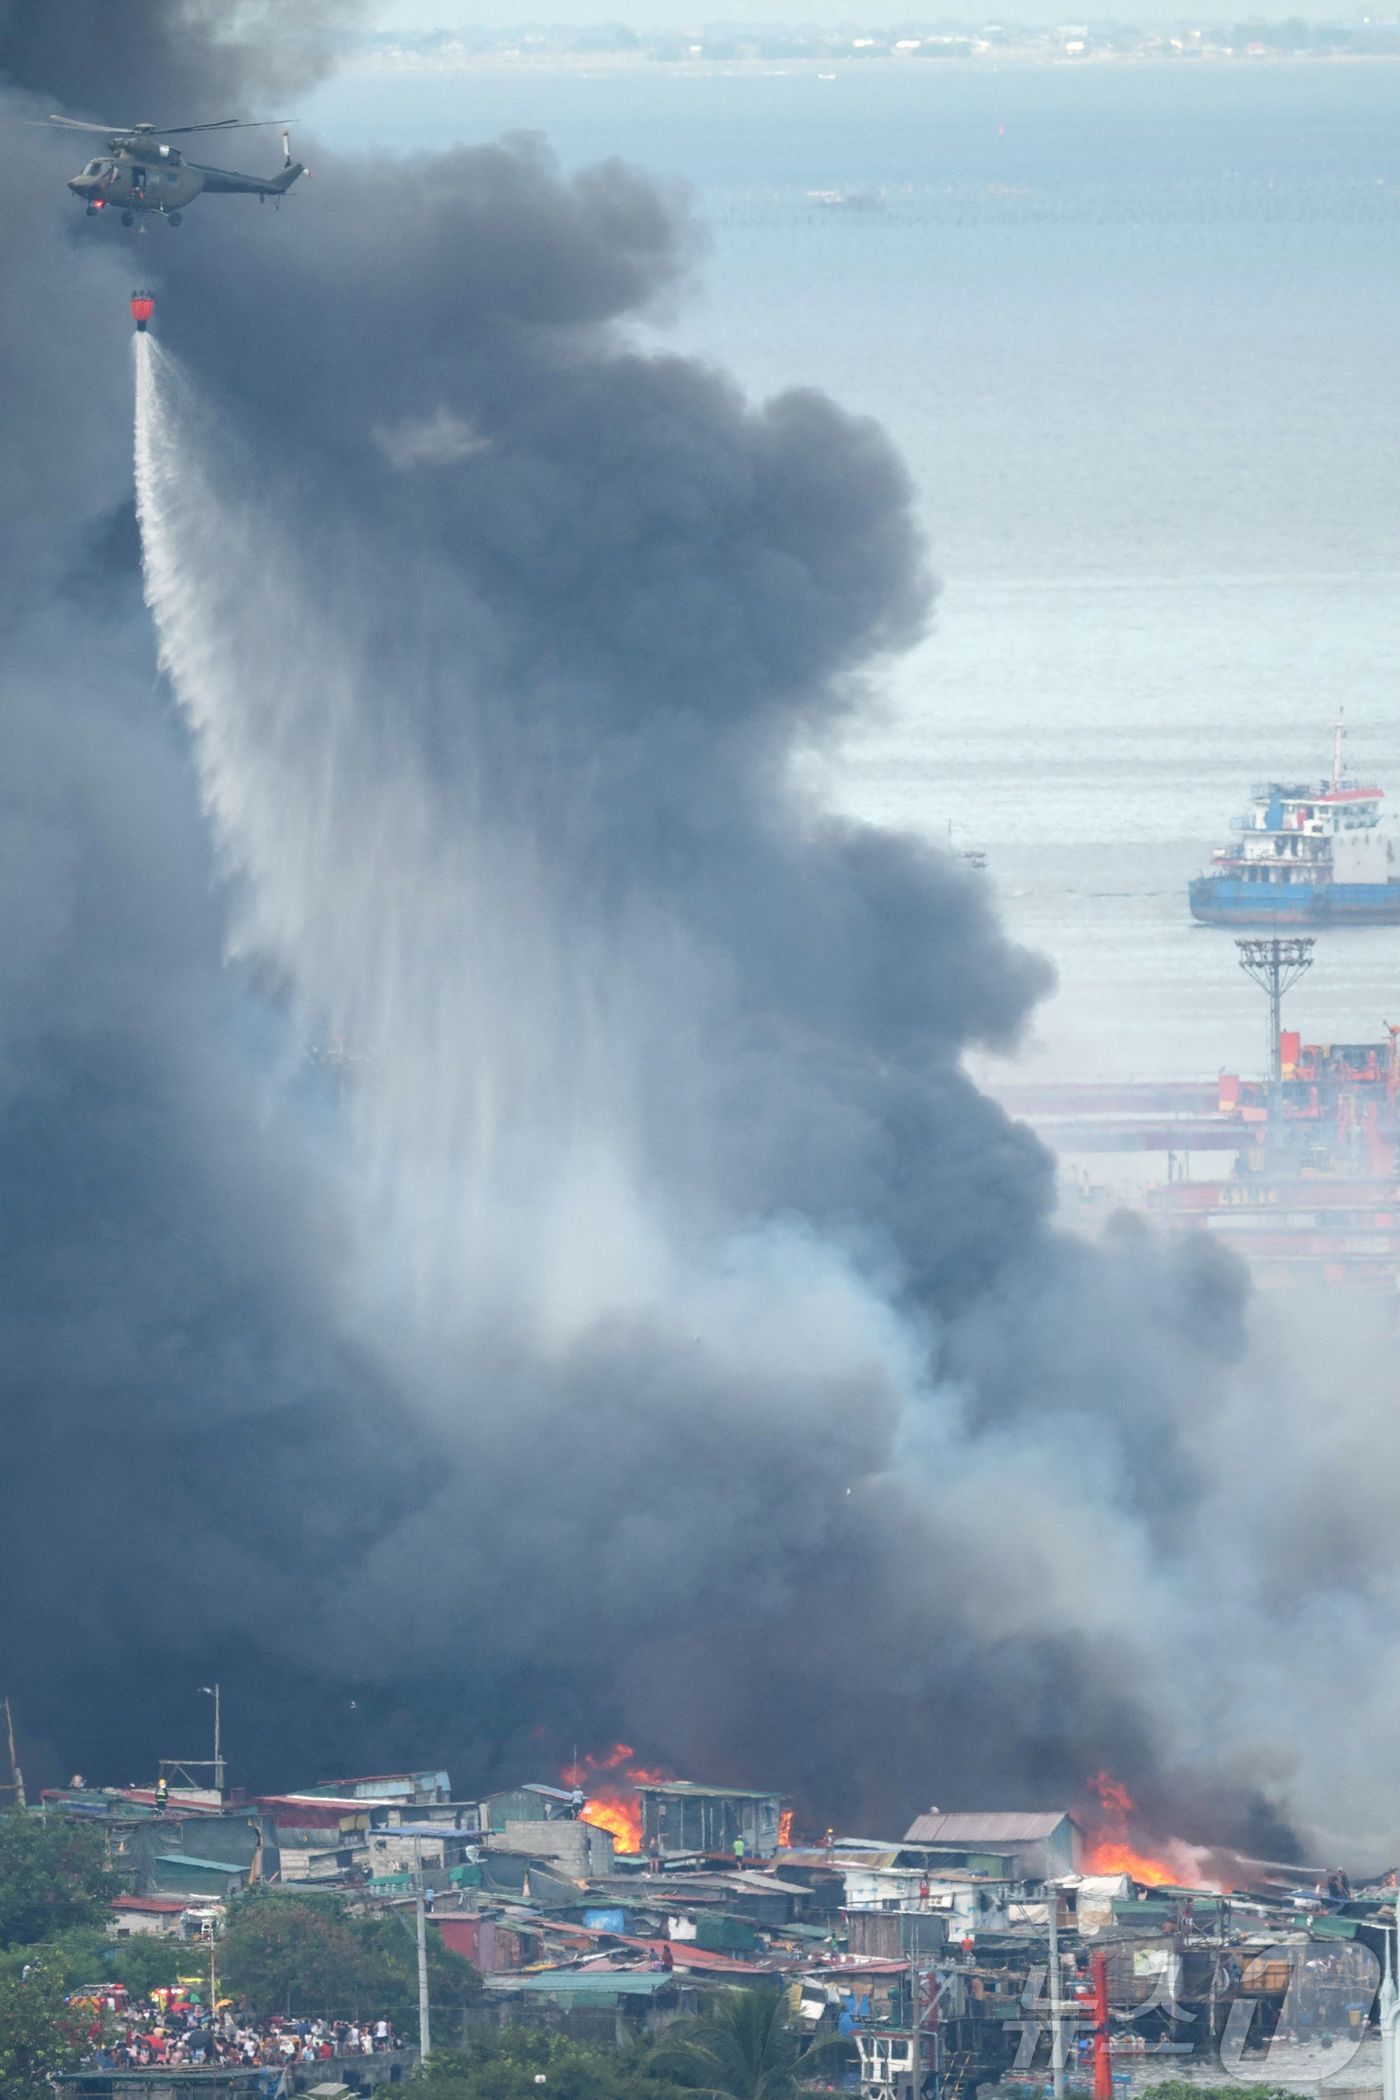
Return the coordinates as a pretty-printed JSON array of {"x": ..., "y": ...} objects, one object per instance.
[{"x": 167, "y": 2029}]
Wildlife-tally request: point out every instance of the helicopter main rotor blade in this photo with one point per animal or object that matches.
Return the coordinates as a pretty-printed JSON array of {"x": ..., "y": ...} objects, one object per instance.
[
  {"x": 170, "y": 131},
  {"x": 110, "y": 131},
  {"x": 166, "y": 131}
]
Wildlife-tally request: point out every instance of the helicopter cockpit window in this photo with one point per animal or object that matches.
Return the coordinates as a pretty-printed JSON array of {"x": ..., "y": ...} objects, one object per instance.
[{"x": 94, "y": 167}]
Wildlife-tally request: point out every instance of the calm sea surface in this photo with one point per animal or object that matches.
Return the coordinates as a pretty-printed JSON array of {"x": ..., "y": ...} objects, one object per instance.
[{"x": 1135, "y": 329}]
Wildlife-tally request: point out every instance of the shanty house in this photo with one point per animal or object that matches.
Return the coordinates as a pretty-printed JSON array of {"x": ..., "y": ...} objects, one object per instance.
[
  {"x": 318, "y": 1837},
  {"x": 595, "y": 2003},
  {"x": 209, "y": 1856},
  {"x": 577, "y": 1848},
  {"x": 680, "y": 1817},
  {"x": 1041, "y": 1844},
  {"x": 185, "y": 1874},
  {"x": 132, "y": 1916},
  {"x": 405, "y": 1847}
]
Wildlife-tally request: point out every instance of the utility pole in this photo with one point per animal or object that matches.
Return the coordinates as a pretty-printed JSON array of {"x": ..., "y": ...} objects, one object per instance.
[
  {"x": 1275, "y": 966},
  {"x": 1057, "y": 2033},
  {"x": 212, "y": 1691},
  {"x": 425, "y": 2039},
  {"x": 16, "y": 1776},
  {"x": 1390, "y": 2029}
]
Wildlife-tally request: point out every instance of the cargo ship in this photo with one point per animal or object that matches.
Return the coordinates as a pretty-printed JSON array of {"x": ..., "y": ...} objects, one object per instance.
[{"x": 1316, "y": 856}]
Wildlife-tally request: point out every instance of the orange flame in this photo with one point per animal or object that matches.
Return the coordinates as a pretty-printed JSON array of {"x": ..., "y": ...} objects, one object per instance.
[
  {"x": 784, "y": 1828},
  {"x": 610, "y": 1781},
  {"x": 1110, "y": 1849}
]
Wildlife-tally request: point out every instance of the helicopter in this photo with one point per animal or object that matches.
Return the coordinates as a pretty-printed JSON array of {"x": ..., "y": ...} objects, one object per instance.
[{"x": 140, "y": 173}]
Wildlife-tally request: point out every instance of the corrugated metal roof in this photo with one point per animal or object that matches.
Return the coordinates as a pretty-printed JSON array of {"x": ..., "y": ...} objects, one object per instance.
[
  {"x": 631, "y": 1983},
  {"x": 694, "y": 1787},
  {"x": 764, "y": 1884},
  {"x": 686, "y": 1955},
  {"x": 436, "y": 1830},
  {"x": 973, "y": 1827},
  {"x": 188, "y": 1859},
  {"x": 381, "y": 1778},
  {"x": 350, "y": 1802}
]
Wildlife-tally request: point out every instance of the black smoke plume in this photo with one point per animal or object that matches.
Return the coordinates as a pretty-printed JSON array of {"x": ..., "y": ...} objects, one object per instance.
[{"x": 648, "y": 1329}]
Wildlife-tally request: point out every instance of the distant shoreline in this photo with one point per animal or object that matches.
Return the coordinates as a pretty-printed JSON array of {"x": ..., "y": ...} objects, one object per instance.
[{"x": 839, "y": 66}]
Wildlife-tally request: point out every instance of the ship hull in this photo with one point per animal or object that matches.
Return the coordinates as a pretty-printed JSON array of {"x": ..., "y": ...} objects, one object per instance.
[{"x": 1218, "y": 901}]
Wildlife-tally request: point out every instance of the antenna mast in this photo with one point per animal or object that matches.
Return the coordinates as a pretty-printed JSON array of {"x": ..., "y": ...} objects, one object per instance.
[{"x": 1339, "y": 734}]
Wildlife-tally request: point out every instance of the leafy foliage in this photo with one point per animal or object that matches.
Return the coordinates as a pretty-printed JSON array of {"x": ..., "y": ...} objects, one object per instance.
[
  {"x": 1183, "y": 2089},
  {"x": 148, "y": 1961},
  {"x": 53, "y": 1875},
  {"x": 746, "y": 2047},
  {"x": 84, "y": 1954},
  {"x": 298, "y": 1954},
  {"x": 505, "y": 2066},
  {"x": 38, "y": 2034}
]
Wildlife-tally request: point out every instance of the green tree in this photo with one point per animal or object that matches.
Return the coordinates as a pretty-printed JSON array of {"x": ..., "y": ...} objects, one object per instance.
[
  {"x": 84, "y": 1954},
  {"x": 505, "y": 2066},
  {"x": 53, "y": 1875},
  {"x": 1183, "y": 2089},
  {"x": 390, "y": 1950},
  {"x": 38, "y": 2035},
  {"x": 284, "y": 1951},
  {"x": 746, "y": 2047},
  {"x": 305, "y": 1954},
  {"x": 149, "y": 1961}
]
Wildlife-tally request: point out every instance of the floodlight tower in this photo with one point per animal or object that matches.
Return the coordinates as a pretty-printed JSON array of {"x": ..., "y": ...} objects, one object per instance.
[{"x": 1275, "y": 967}]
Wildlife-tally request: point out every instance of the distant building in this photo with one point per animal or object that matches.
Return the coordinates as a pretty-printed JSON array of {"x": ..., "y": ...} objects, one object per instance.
[
  {"x": 134, "y": 1915},
  {"x": 1039, "y": 1844}
]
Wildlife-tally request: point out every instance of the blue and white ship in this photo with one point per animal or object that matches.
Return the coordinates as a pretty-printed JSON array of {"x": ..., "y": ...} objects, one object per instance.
[{"x": 1304, "y": 856}]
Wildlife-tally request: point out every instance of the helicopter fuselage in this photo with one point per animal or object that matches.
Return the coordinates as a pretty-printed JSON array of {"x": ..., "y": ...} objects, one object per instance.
[{"x": 156, "y": 179}]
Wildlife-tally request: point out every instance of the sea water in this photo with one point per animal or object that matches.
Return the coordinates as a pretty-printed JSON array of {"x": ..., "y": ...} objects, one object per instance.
[{"x": 1133, "y": 326}]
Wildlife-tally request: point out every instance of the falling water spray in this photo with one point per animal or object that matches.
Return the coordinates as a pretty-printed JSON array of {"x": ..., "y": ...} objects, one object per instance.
[{"x": 422, "y": 939}]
